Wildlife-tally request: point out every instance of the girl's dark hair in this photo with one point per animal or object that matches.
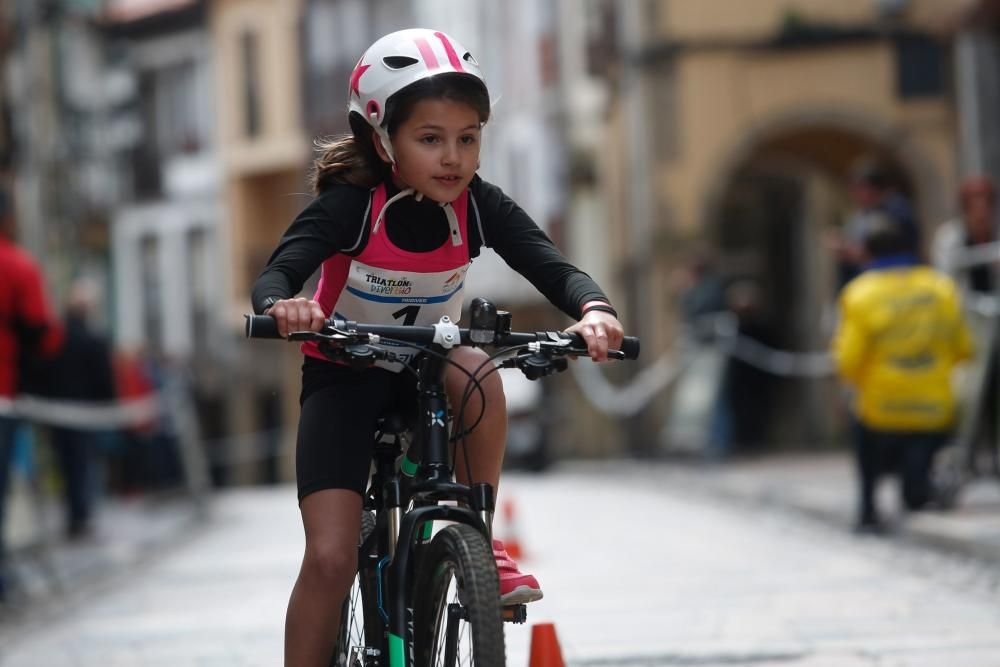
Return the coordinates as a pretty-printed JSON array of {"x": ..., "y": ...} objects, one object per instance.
[{"x": 352, "y": 158}]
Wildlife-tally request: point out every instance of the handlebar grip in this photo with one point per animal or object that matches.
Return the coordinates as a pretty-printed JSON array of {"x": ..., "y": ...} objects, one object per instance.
[
  {"x": 630, "y": 347},
  {"x": 261, "y": 326}
]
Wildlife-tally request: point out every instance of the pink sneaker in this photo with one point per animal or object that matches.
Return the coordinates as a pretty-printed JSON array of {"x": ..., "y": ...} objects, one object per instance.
[{"x": 515, "y": 586}]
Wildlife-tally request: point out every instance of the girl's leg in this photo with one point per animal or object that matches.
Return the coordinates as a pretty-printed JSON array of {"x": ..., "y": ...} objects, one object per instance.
[
  {"x": 485, "y": 445},
  {"x": 332, "y": 458},
  {"x": 332, "y": 522}
]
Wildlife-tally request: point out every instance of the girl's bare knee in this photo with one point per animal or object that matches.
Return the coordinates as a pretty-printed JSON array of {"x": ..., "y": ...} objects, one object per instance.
[
  {"x": 472, "y": 359},
  {"x": 330, "y": 567}
]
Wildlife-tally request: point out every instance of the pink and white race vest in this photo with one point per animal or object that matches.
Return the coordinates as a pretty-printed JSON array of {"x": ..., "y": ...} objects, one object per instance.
[{"x": 388, "y": 285}]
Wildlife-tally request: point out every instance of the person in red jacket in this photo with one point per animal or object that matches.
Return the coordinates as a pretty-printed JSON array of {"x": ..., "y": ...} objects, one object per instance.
[{"x": 28, "y": 329}]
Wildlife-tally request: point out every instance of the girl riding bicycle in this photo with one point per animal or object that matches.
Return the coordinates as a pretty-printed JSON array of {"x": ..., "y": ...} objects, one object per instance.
[{"x": 399, "y": 215}]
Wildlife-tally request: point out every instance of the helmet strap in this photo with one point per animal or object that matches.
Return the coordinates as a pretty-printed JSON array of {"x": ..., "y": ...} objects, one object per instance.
[
  {"x": 385, "y": 207},
  {"x": 449, "y": 213},
  {"x": 383, "y": 138}
]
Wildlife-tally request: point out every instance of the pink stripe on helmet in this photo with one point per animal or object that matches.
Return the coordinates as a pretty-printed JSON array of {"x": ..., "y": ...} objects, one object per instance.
[
  {"x": 427, "y": 52},
  {"x": 453, "y": 58}
]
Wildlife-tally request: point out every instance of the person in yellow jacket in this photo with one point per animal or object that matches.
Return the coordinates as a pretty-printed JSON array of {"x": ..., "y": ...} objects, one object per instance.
[{"x": 900, "y": 335}]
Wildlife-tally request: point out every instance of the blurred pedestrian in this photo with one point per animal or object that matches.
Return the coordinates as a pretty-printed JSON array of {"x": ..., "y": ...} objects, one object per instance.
[
  {"x": 699, "y": 410},
  {"x": 148, "y": 456},
  {"x": 81, "y": 372},
  {"x": 976, "y": 228},
  {"x": 873, "y": 194},
  {"x": 701, "y": 290},
  {"x": 128, "y": 468},
  {"x": 900, "y": 335},
  {"x": 172, "y": 382},
  {"x": 747, "y": 387},
  {"x": 28, "y": 330}
]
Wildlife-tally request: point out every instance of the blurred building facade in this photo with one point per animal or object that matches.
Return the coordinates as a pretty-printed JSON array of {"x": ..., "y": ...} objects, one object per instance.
[
  {"x": 165, "y": 227},
  {"x": 60, "y": 139},
  {"x": 263, "y": 150},
  {"x": 737, "y": 123},
  {"x": 165, "y": 145}
]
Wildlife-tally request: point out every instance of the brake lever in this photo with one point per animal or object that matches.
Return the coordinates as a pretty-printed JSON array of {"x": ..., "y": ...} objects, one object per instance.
[
  {"x": 584, "y": 352},
  {"x": 335, "y": 337}
]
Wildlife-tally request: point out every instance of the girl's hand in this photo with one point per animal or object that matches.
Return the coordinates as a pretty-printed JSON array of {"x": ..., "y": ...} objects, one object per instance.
[
  {"x": 299, "y": 314},
  {"x": 602, "y": 331}
]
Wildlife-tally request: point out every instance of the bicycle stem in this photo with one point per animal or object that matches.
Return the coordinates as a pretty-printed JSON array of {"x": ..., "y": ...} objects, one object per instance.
[{"x": 433, "y": 424}]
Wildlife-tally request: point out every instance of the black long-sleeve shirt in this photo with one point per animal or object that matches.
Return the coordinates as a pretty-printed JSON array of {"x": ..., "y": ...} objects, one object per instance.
[{"x": 338, "y": 221}]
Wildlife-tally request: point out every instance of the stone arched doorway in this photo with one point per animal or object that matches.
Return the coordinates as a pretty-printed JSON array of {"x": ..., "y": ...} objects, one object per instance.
[{"x": 784, "y": 191}]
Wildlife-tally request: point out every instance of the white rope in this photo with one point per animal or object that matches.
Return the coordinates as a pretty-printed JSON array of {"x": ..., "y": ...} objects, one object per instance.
[
  {"x": 968, "y": 257},
  {"x": 630, "y": 399},
  {"x": 983, "y": 305},
  {"x": 83, "y": 415},
  {"x": 769, "y": 359},
  {"x": 624, "y": 401}
]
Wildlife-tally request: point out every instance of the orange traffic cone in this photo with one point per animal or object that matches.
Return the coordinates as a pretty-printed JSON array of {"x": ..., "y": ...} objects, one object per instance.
[
  {"x": 545, "y": 651},
  {"x": 511, "y": 541}
]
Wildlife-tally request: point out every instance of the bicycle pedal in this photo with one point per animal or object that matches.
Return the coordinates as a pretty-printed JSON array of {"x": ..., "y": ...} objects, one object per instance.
[{"x": 515, "y": 613}]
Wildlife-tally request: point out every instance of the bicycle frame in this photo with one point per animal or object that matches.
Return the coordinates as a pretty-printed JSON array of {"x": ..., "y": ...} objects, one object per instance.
[{"x": 399, "y": 532}]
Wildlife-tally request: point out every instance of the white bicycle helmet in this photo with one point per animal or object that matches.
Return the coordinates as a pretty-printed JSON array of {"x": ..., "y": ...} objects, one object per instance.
[{"x": 398, "y": 60}]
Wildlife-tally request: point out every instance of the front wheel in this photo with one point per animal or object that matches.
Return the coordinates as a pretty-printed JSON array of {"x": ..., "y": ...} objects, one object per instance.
[{"x": 456, "y": 603}]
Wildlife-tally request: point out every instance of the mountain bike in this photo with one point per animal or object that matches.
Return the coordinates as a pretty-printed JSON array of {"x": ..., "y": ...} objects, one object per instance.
[{"x": 423, "y": 597}]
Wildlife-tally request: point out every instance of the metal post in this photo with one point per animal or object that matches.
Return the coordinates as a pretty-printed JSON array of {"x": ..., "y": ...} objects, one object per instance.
[
  {"x": 641, "y": 314},
  {"x": 970, "y": 128}
]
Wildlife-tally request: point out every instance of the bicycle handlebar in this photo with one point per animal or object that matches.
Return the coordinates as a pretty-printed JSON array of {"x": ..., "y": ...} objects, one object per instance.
[{"x": 264, "y": 326}]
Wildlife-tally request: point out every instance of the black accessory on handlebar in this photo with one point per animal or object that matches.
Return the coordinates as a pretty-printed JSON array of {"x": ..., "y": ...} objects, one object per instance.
[
  {"x": 482, "y": 321},
  {"x": 535, "y": 365}
]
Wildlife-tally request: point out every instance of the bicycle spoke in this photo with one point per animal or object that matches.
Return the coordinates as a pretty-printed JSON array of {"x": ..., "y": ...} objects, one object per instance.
[
  {"x": 462, "y": 632},
  {"x": 352, "y": 633}
]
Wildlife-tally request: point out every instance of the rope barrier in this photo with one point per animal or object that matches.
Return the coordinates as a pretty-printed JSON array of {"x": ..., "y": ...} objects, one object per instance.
[
  {"x": 969, "y": 257},
  {"x": 721, "y": 329},
  {"x": 764, "y": 357},
  {"x": 83, "y": 415},
  {"x": 629, "y": 400},
  {"x": 173, "y": 403}
]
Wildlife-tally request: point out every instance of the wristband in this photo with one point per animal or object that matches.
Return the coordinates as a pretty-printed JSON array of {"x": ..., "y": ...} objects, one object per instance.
[
  {"x": 268, "y": 302},
  {"x": 601, "y": 307}
]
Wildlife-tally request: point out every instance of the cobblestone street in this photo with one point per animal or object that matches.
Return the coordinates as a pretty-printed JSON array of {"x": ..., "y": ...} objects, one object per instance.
[{"x": 640, "y": 565}]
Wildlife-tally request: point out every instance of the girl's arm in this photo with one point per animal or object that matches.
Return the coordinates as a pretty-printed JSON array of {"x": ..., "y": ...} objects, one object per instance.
[
  {"x": 333, "y": 221},
  {"x": 529, "y": 251}
]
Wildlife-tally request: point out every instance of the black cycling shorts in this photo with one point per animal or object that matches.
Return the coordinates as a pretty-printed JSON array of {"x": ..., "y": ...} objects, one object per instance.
[{"x": 340, "y": 407}]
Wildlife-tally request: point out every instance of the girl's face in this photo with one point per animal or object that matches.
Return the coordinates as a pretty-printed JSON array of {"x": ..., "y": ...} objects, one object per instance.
[{"x": 437, "y": 148}]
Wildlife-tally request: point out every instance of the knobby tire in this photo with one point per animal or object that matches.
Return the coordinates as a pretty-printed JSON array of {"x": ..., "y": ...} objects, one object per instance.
[{"x": 458, "y": 567}]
